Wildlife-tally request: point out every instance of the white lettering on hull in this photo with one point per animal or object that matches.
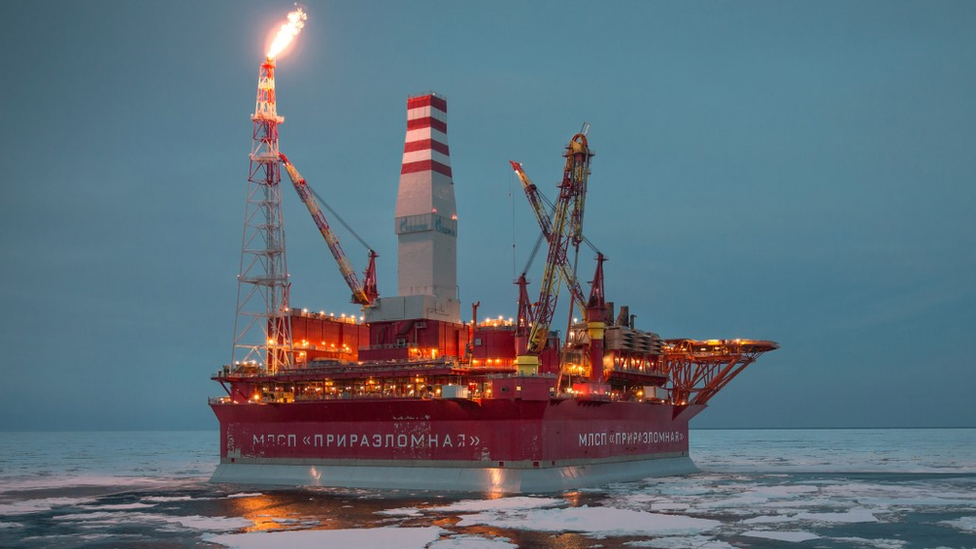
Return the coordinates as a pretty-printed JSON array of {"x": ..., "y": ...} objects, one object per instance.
[
  {"x": 270, "y": 439},
  {"x": 632, "y": 438},
  {"x": 367, "y": 440}
]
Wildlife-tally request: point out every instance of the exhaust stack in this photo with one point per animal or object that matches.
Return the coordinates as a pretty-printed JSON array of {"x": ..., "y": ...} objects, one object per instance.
[{"x": 425, "y": 221}]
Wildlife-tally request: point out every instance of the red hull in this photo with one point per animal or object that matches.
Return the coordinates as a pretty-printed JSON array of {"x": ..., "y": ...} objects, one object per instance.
[{"x": 452, "y": 432}]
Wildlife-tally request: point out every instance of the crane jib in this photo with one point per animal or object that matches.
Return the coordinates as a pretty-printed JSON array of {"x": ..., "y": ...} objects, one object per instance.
[
  {"x": 361, "y": 294},
  {"x": 567, "y": 227}
]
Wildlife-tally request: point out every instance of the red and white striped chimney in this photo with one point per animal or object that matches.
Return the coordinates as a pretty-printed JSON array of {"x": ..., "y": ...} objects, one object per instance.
[
  {"x": 426, "y": 213},
  {"x": 425, "y": 148}
]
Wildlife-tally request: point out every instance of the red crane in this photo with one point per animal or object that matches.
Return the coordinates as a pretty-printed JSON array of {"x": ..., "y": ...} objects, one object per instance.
[{"x": 363, "y": 293}]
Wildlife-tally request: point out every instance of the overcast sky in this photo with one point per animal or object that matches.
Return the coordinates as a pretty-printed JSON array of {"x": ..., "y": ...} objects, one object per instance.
[{"x": 800, "y": 171}]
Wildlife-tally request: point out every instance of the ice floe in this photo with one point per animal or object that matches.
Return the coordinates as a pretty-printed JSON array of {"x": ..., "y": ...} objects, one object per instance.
[
  {"x": 594, "y": 521},
  {"x": 476, "y": 505},
  {"x": 758, "y": 499},
  {"x": 878, "y": 543},
  {"x": 499, "y": 504},
  {"x": 194, "y": 522},
  {"x": 67, "y": 482},
  {"x": 360, "y": 538},
  {"x": 401, "y": 512},
  {"x": 795, "y": 536},
  {"x": 118, "y": 506},
  {"x": 472, "y": 542},
  {"x": 966, "y": 524},
  {"x": 681, "y": 542},
  {"x": 849, "y": 517},
  {"x": 35, "y": 505},
  {"x": 768, "y": 519}
]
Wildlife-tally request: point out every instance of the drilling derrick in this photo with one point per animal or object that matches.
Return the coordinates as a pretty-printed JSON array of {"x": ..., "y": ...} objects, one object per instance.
[{"x": 262, "y": 331}]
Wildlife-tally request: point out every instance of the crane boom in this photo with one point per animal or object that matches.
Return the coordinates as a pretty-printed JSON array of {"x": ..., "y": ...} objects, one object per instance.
[
  {"x": 363, "y": 294},
  {"x": 545, "y": 223},
  {"x": 567, "y": 227}
]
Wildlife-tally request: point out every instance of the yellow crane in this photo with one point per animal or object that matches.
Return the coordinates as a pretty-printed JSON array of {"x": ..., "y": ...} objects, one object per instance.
[{"x": 567, "y": 227}]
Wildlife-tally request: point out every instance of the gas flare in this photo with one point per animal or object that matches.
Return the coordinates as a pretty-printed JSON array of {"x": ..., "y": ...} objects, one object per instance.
[{"x": 288, "y": 31}]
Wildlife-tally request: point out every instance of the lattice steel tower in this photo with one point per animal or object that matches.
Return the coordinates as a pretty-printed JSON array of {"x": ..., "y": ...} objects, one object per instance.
[{"x": 262, "y": 330}]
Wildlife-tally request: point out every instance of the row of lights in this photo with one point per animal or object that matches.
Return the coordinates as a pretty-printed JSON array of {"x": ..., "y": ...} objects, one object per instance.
[
  {"x": 495, "y": 322},
  {"x": 342, "y": 317},
  {"x": 344, "y": 347},
  {"x": 489, "y": 361}
]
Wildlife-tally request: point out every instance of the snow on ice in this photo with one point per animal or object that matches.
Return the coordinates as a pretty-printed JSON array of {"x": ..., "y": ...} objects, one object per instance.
[
  {"x": 362, "y": 538},
  {"x": 795, "y": 537},
  {"x": 594, "y": 521}
]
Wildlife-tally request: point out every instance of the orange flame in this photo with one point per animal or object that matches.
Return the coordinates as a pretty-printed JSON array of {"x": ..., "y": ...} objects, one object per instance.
[{"x": 288, "y": 31}]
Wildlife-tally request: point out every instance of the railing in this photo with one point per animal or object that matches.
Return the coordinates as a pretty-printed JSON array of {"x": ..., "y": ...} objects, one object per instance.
[
  {"x": 614, "y": 396},
  {"x": 335, "y": 367}
]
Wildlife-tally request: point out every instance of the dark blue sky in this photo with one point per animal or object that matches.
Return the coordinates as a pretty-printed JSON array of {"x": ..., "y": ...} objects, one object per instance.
[{"x": 796, "y": 171}]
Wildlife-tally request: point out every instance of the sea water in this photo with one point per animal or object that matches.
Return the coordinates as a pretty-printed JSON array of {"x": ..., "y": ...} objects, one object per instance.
[{"x": 759, "y": 489}]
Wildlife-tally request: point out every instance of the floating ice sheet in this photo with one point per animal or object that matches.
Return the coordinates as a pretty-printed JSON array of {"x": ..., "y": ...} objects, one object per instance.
[
  {"x": 759, "y": 499},
  {"x": 966, "y": 524},
  {"x": 34, "y": 505},
  {"x": 877, "y": 543},
  {"x": 795, "y": 536},
  {"x": 475, "y": 505},
  {"x": 768, "y": 519},
  {"x": 594, "y": 521},
  {"x": 114, "y": 483},
  {"x": 472, "y": 542},
  {"x": 193, "y": 522},
  {"x": 363, "y": 538},
  {"x": 170, "y": 499},
  {"x": 500, "y": 504},
  {"x": 681, "y": 542},
  {"x": 849, "y": 517},
  {"x": 118, "y": 506}
]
